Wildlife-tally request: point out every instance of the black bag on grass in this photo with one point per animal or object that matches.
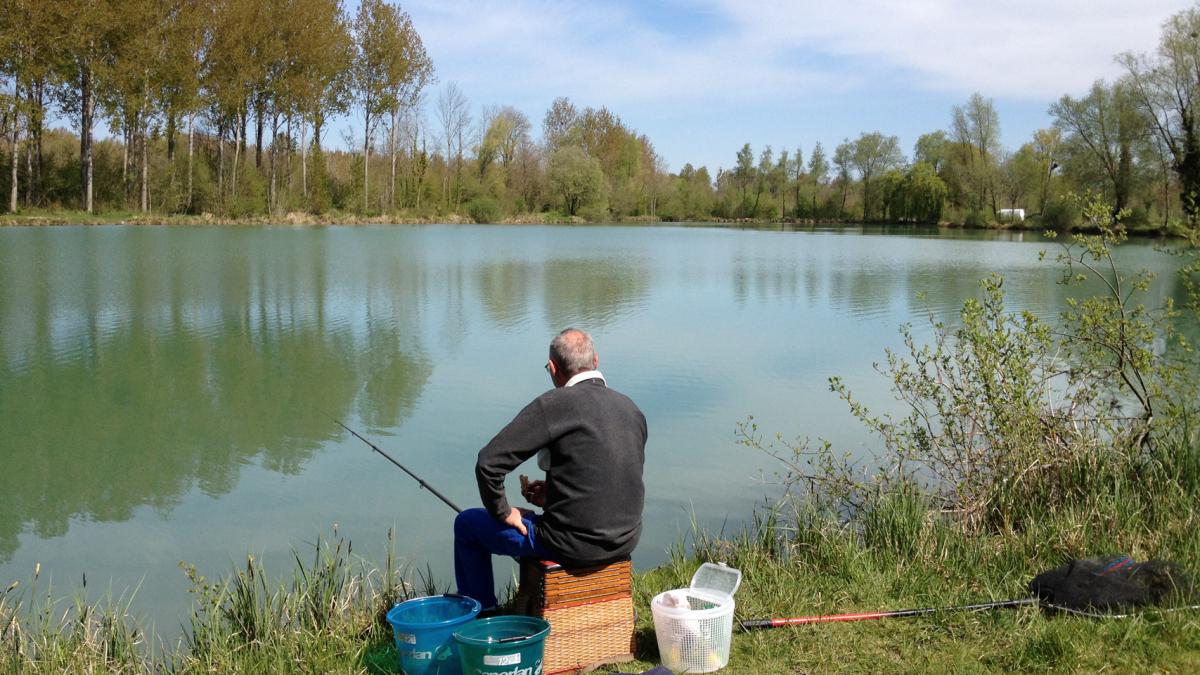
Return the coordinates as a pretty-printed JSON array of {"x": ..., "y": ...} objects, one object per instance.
[{"x": 1113, "y": 585}]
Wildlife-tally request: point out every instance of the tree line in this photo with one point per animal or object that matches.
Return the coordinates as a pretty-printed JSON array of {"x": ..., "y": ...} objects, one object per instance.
[
  {"x": 191, "y": 89},
  {"x": 223, "y": 107}
]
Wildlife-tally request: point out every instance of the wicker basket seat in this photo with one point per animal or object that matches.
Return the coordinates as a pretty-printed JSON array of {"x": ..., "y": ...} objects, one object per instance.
[{"x": 590, "y": 610}]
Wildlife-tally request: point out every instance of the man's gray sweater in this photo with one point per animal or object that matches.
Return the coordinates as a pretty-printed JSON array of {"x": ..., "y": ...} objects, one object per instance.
[{"x": 594, "y": 491}]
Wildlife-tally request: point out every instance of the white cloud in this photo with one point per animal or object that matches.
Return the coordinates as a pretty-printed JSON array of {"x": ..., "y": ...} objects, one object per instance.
[
  {"x": 701, "y": 77},
  {"x": 1019, "y": 48},
  {"x": 606, "y": 52},
  {"x": 602, "y": 53}
]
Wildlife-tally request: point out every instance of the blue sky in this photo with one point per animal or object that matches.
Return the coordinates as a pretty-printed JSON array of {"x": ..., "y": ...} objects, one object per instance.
[{"x": 701, "y": 78}]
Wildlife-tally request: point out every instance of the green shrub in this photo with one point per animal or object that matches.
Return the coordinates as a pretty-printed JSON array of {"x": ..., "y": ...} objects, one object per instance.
[
  {"x": 595, "y": 213},
  {"x": 251, "y": 196},
  {"x": 1008, "y": 417},
  {"x": 484, "y": 210},
  {"x": 1061, "y": 215},
  {"x": 977, "y": 219},
  {"x": 1138, "y": 218}
]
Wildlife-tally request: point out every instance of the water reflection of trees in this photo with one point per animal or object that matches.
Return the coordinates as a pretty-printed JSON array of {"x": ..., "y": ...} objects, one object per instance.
[
  {"x": 595, "y": 292},
  {"x": 505, "y": 289},
  {"x": 941, "y": 289},
  {"x": 152, "y": 376},
  {"x": 910, "y": 278},
  {"x": 138, "y": 365}
]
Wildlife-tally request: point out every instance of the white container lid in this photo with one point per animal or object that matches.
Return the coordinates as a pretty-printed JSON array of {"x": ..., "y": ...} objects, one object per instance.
[{"x": 717, "y": 578}]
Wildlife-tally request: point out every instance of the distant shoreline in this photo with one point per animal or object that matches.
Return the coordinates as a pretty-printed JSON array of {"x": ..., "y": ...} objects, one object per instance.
[{"x": 301, "y": 219}]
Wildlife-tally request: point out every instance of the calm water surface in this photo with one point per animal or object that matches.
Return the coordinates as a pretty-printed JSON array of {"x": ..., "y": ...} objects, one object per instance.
[{"x": 165, "y": 394}]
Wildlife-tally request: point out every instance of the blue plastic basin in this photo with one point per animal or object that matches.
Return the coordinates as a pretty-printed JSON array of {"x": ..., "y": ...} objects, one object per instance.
[{"x": 423, "y": 630}]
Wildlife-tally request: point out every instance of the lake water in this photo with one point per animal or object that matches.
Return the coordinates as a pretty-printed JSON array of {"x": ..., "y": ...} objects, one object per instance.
[{"x": 166, "y": 393}]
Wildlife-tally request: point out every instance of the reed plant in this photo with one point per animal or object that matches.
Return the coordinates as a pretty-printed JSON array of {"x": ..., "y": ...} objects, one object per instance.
[
  {"x": 325, "y": 617},
  {"x": 42, "y": 632},
  {"x": 329, "y": 617}
]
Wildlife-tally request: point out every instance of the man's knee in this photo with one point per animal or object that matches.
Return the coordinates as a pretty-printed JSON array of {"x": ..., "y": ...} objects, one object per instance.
[{"x": 466, "y": 523}]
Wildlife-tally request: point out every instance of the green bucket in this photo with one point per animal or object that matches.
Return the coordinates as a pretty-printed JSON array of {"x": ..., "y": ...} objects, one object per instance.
[{"x": 502, "y": 645}]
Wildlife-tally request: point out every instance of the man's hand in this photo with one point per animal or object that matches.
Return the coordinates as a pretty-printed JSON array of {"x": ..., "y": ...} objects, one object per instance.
[
  {"x": 535, "y": 493},
  {"x": 513, "y": 519}
]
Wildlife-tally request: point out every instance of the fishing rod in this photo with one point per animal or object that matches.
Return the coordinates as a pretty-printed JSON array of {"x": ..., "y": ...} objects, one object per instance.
[
  {"x": 403, "y": 468},
  {"x": 1103, "y": 587},
  {"x": 751, "y": 624}
]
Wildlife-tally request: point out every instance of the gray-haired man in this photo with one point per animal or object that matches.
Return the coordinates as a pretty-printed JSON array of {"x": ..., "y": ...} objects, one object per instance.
[{"x": 593, "y": 442}]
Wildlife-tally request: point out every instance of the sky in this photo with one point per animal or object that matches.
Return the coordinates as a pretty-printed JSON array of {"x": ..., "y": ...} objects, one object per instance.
[{"x": 704, "y": 77}]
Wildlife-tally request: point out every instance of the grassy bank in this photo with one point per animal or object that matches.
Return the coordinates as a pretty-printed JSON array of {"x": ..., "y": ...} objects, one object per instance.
[
  {"x": 326, "y": 615},
  {"x": 53, "y": 217},
  {"x": 899, "y": 555},
  {"x": 61, "y": 217}
]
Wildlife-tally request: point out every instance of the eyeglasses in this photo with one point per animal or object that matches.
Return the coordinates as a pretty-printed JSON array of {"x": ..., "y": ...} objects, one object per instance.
[{"x": 547, "y": 367}]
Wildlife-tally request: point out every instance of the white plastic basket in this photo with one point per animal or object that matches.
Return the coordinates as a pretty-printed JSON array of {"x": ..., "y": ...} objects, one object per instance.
[{"x": 696, "y": 638}]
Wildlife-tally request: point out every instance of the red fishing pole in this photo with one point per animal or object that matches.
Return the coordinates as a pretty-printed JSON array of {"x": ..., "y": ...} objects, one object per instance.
[{"x": 750, "y": 624}]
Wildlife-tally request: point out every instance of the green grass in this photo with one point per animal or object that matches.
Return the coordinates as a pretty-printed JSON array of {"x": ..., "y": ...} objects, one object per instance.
[
  {"x": 828, "y": 569},
  {"x": 327, "y": 617},
  {"x": 41, "y": 217}
]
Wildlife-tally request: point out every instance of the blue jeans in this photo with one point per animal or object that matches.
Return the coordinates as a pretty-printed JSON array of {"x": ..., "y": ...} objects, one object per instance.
[{"x": 477, "y": 535}]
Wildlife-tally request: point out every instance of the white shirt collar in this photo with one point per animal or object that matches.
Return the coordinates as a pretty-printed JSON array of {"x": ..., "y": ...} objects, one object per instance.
[{"x": 585, "y": 375}]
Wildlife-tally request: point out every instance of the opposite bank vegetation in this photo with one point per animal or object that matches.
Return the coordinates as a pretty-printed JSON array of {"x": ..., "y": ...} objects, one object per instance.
[
  {"x": 57, "y": 217},
  {"x": 1020, "y": 444},
  {"x": 227, "y": 107}
]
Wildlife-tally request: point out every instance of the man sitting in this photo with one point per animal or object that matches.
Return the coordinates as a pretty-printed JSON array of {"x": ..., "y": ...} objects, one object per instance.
[{"x": 593, "y": 443}]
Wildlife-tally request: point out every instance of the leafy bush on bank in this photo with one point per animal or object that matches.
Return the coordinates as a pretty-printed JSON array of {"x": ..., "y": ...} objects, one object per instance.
[
  {"x": 1007, "y": 418},
  {"x": 484, "y": 210}
]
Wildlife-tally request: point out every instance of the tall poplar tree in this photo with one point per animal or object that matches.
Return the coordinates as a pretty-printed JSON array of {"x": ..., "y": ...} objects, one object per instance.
[
  {"x": 87, "y": 40},
  {"x": 137, "y": 46},
  {"x": 322, "y": 88},
  {"x": 455, "y": 118},
  {"x": 232, "y": 74},
  {"x": 11, "y": 67},
  {"x": 389, "y": 71},
  {"x": 843, "y": 159},
  {"x": 29, "y": 44},
  {"x": 743, "y": 176},
  {"x": 186, "y": 35},
  {"x": 818, "y": 172}
]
